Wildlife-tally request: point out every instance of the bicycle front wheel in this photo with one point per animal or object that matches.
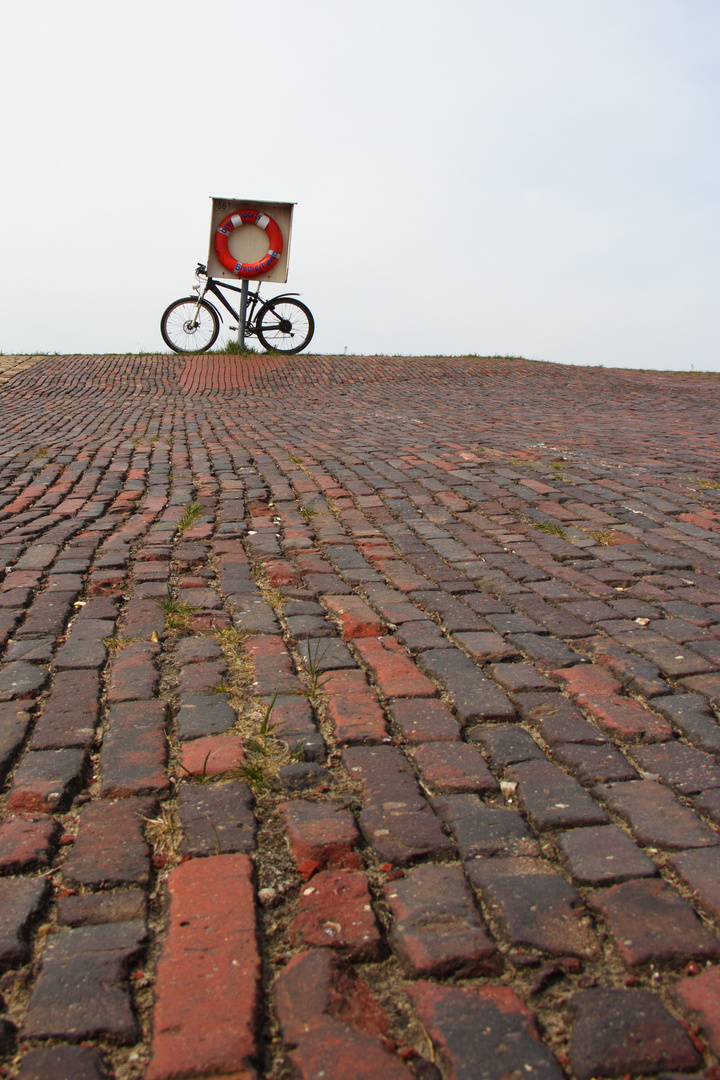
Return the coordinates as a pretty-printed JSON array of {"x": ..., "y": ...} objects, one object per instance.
[
  {"x": 190, "y": 326},
  {"x": 285, "y": 325}
]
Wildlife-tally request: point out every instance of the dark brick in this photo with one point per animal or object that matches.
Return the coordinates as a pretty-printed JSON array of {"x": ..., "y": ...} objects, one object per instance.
[
  {"x": 536, "y": 907},
  {"x": 559, "y": 623},
  {"x": 551, "y": 799},
  {"x": 63, "y": 1063},
  {"x": 506, "y": 744},
  {"x": 484, "y": 1031},
  {"x": 624, "y": 719},
  {"x": 708, "y": 685},
  {"x": 424, "y": 719},
  {"x": 27, "y": 842},
  {"x": 39, "y": 650},
  {"x": 110, "y": 847},
  {"x": 91, "y": 909},
  {"x": 335, "y": 910},
  {"x": 650, "y": 923},
  {"x": 83, "y": 652},
  {"x": 481, "y": 830},
  {"x": 603, "y": 855},
  {"x": 46, "y": 781},
  {"x": 486, "y": 646},
  {"x": 436, "y": 928},
  {"x": 693, "y": 717},
  {"x": 519, "y": 678},
  {"x": 547, "y": 652},
  {"x": 14, "y": 723},
  {"x": 21, "y": 680},
  {"x": 700, "y": 870},
  {"x": 634, "y": 673},
  {"x": 672, "y": 659},
  {"x": 252, "y": 613},
  {"x": 474, "y": 697},
  {"x": 396, "y": 820},
  {"x": 133, "y": 675},
  {"x": 655, "y": 816},
  {"x": 454, "y": 614},
  {"x": 21, "y": 904},
  {"x": 273, "y": 665},
  {"x": 216, "y": 820},
  {"x": 204, "y": 714},
  {"x": 709, "y": 803},
  {"x": 509, "y": 624},
  {"x": 143, "y": 618},
  {"x": 686, "y": 770},
  {"x": 556, "y": 719},
  {"x": 80, "y": 992},
  {"x": 195, "y": 650},
  {"x": 421, "y": 635},
  {"x": 626, "y": 1033},
  {"x": 71, "y": 711},
  {"x": 453, "y": 767},
  {"x": 594, "y": 764},
  {"x": 134, "y": 751},
  {"x": 47, "y": 615}
]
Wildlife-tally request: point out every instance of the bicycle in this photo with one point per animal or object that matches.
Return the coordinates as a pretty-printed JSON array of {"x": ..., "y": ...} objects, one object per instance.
[{"x": 192, "y": 324}]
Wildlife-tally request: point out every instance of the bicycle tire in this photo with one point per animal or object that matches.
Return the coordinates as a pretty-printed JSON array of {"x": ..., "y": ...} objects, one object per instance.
[
  {"x": 285, "y": 325},
  {"x": 176, "y": 326}
]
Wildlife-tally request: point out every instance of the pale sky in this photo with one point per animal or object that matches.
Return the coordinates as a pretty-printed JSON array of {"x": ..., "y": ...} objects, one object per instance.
[{"x": 532, "y": 177}]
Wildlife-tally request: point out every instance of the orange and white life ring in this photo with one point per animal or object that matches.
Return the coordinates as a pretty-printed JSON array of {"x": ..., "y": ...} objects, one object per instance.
[{"x": 248, "y": 217}]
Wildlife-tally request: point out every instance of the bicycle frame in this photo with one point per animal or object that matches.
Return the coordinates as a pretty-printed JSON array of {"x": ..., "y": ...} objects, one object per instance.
[{"x": 213, "y": 285}]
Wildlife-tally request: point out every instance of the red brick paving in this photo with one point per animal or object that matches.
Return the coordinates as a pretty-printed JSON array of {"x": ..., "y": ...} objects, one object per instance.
[{"x": 486, "y": 844}]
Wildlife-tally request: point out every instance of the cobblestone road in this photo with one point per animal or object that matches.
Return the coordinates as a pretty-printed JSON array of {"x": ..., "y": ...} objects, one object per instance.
[{"x": 358, "y": 719}]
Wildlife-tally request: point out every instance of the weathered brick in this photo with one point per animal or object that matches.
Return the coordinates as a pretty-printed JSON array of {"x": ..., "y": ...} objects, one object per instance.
[
  {"x": 557, "y": 720},
  {"x": 208, "y": 975},
  {"x": 47, "y": 615},
  {"x": 46, "y": 780},
  {"x": 329, "y": 1016},
  {"x": 335, "y": 910},
  {"x": 216, "y": 819},
  {"x": 355, "y": 616},
  {"x": 520, "y": 678},
  {"x": 483, "y": 1031},
  {"x": 394, "y": 671},
  {"x": 651, "y": 923},
  {"x": 273, "y": 665},
  {"x": 436, "y": 928},
  {"x": 421, "y": 635},
  {"x": 27, "y": 842},
  {"x": 485, "y": 646},
  {"x": 134, "y": 751},
  {"x": 453, "y": 767},
  {"x": 535, "y": 906},
  {"x": 110, "y": 847},
  {"x": 603, "y": 855},
  {"x": 133, "y": 675},
  {"x": 655, "y": 816},
  {"x": 320, "y": 835},
  {"x": 693, "y": 717},
  {"x": 211, "y": 756},
  {"x": 143, "y": 618},
  {"x": 353, "y": 709},
  {"x": 623, "y": 718},
  {"x": 71, "y": 711},
  {"x": 475, "y": 698},
  {"x": 21, "y": 903},
  {"x": 194, "y": 650},
  {"x": 699, "y": 998},
  {"x": 626, "y": 1033},
  {"x": 634, "y": 673},
  {"x": 547, "y": 652},
  {"x": 81, "y": 992}
]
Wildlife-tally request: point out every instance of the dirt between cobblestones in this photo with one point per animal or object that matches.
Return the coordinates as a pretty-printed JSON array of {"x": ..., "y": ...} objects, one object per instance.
[{"x": 358, "y": 719}]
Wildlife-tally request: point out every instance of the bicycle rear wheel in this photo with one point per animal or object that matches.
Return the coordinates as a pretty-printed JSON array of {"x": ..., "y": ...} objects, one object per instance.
[
  {"x": 189, "y": 328},
  {"x": 285, "y": 325}
]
